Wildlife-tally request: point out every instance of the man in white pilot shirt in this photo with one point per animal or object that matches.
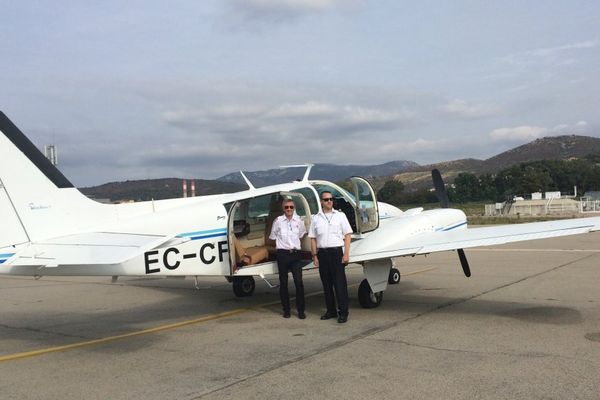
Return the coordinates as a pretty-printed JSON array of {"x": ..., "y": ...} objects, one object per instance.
[
  {"x": 287, "y": 231},
  {"x": 330, "y": 243}
]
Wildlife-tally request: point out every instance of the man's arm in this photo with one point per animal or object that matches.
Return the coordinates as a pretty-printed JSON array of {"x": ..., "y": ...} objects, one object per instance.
[
  {"x": 274, "y": 230},
  {"x": 346, "y": 257},
  {"x": 313, "y": 250},
  {"x": 302, "y": 229}
]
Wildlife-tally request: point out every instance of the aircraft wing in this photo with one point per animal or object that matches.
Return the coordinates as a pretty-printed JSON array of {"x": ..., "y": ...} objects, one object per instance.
[
  {"x": 369, "y": 248},
  {"x": 94, "y": 248}
]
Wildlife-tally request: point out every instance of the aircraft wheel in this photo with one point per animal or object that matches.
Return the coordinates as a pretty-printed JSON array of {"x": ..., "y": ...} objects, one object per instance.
[
  {"x": 366, "y": 297},
  {"x": 394, "y": 277},
  {"x": 243, "y": 286}
]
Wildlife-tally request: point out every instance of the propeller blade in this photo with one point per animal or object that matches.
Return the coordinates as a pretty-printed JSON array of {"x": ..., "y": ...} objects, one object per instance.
[
  {"x": 440, "y": 188},
  {"x": 442, "y": 195},
  {"x": 464, "y": 262}
]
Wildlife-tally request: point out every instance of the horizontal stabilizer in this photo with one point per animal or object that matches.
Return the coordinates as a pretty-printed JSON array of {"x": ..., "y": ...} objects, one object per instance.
[{"x": 99, "y": 248}]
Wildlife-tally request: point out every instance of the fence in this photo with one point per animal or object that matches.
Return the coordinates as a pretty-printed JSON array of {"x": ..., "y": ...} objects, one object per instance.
[{"x": 542, "y": 207}]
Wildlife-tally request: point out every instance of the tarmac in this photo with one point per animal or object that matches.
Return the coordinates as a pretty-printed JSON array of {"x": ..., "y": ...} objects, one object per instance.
[{"x": 525, "y": 325}]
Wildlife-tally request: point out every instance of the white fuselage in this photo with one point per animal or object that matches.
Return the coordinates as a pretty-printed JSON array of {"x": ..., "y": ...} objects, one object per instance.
[{"x": 200, "y": 236}]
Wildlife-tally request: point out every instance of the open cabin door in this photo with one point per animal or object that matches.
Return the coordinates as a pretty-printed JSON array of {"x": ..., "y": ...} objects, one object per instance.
[
  {"x": 367, "y": 214},
  {"x": 251, "y": 252},
  {"x": 302, "y": 210}
]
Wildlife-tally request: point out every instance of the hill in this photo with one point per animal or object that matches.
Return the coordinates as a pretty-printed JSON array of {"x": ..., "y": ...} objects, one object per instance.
[
  {"x": 547, "y": 148},
  {"x": 157, "y": 189}
]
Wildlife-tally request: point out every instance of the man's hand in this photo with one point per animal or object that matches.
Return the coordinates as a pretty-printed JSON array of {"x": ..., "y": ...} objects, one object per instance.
[
  {"x": 345, "y": 259},
  {"x": 316, "y": 261}
]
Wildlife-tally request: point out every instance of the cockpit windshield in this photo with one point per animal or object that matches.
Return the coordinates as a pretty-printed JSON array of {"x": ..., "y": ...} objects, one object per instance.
[
  {"x": 342, "y": 200},
  {"x": 335, "y": 190}
]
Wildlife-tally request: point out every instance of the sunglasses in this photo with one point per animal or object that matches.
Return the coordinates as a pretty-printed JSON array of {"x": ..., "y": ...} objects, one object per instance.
[
  {"x": 327, "y": 199},
  {"x": 288, "y": 207}
]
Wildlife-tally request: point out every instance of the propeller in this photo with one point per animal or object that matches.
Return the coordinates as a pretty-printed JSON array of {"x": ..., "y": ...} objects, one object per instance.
[
  {"x": 442, "y": 195},
  {"x": 440, "y": 188},
  {"x": 464, "y": 262}
]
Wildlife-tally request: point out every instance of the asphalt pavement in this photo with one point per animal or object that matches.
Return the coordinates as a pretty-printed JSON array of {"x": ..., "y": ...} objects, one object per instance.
[{"x": 525, "y": 325}]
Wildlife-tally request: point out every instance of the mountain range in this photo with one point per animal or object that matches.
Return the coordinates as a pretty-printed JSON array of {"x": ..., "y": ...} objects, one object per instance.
[
  {"x": 410, "y": 173},
  {"x": 328, "y": 172},
  {"x": 157, "y": 189}
]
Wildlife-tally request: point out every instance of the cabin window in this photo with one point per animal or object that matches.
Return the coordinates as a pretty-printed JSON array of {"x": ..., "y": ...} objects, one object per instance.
[{"x": 311, "y": 198}]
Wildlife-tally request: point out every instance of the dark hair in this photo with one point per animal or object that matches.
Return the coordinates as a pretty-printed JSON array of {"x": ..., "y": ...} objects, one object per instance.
[{"x": 323, "y": 192}]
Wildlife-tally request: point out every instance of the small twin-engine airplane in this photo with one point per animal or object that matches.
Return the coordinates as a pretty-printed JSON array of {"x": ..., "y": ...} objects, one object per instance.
[{"x": 47, "y": 227}]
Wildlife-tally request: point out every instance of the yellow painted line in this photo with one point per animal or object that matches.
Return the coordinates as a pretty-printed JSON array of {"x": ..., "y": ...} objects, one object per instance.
[
  {"x": 108, "y": 339},
  {"x": 33, "y": 353},
  {"x": 419, "y": 271}
]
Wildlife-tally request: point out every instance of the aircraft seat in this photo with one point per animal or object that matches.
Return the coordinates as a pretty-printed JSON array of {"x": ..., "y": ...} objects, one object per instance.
[
  {"x": 250, "y": 255},
  {"x": 274, "y": 212}
]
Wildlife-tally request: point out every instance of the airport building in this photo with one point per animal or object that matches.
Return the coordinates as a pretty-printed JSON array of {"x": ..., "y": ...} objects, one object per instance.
[{"x": 539, "y": 204}]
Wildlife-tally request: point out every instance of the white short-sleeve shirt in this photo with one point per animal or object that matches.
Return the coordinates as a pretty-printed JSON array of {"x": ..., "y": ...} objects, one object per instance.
[
  {"x": 287, "y": 233},
  {"x": 329, "y": 229}
]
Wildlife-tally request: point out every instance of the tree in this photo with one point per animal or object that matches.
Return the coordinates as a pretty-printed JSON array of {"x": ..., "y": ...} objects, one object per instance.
[
  {"x": 391, "y": 192},
  {"x": 466, "y": 188}
]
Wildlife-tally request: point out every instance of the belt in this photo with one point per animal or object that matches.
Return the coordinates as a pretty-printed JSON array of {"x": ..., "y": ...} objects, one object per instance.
[
  {"x": 329, "y": 248},
  {"x": 289, "y": 250}
]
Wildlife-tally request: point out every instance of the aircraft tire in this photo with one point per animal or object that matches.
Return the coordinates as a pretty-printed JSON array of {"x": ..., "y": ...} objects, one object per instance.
[
  {"x": 394, "y": 277},
  {"x": 366, "y": 297},
  {"x": 243, "y": 286}
]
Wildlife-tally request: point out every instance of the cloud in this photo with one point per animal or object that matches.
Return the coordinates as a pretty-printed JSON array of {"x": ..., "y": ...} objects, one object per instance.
[
  {"x": 241, "y": 124},
  {"x": 461, "y": 109},
  {"x": 275, "y": 11},
  {"x": 527, "y": 133},
  {"x": 550, "y": 51},
  {"x": 534, "y": 69},
  {"x": 206, "y": 129},
  {"x": 308, "y": 109},
  {"x": 557, "y": 55},
  {"x": 522, "y": 133}
]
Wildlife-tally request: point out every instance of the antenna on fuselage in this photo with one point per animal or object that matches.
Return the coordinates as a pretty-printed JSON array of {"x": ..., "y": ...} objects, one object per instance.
[
  {"x": 306, "y": 174},
  {"x": 250, "y": 185}
]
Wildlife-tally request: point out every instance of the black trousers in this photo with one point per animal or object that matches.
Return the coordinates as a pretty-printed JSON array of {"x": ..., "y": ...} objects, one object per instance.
[
  {"x": 333, "y": 277},
  {"x": 287, "y": 262}
]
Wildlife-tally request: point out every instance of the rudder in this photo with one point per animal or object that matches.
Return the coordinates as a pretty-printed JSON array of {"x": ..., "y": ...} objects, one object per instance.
[{"x": 36, "y": 200}]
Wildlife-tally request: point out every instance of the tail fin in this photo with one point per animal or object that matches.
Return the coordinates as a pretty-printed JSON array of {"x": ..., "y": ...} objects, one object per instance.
[{"x": 36, "y": 200}]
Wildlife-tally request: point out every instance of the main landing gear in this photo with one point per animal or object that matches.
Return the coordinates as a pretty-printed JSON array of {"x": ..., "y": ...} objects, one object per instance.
[
  {"x": 366, "y": 297},
  {"x": 243, "y": 286}
]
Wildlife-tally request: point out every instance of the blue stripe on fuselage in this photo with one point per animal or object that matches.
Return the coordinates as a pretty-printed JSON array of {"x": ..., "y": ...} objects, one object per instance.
[
  {"x": 455, "y": 226},
  {"x": 207, "y": 236},
  {"x": 209, "y": 233},
  {"x": 5, "y": 256},
  {"x": 200, "y": 233}
]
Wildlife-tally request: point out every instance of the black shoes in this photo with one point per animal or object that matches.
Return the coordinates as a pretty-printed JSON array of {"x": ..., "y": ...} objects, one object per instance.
[
  {"x": 301, "y": 315},
  {"x": 328, "y": 315},
  {"x": 340, "y": 319}
]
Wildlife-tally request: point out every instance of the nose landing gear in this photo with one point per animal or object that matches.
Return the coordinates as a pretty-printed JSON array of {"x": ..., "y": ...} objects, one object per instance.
[
  {"x": 243, "y": 286},
  {"x": 394, "y": 277}
]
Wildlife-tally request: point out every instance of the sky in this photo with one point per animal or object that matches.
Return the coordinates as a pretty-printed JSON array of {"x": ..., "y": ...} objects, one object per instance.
[{"x": 198, "y": 89}]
